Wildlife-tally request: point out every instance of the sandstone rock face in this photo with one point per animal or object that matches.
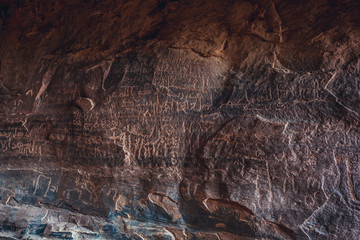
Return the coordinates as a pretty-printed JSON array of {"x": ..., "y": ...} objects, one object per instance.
[{"x": 179, "y": 119}]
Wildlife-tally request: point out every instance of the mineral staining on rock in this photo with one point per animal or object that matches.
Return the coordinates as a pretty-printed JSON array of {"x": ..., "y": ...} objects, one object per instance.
[{"x": 179, "y": 120}]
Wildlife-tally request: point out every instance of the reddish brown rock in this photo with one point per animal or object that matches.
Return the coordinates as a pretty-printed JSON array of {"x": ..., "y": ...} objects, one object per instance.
[{"x": 179, "y": 119}]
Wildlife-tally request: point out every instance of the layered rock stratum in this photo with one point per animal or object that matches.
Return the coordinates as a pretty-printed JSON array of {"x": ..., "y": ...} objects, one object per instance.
[{"x": 179, "y": 119}]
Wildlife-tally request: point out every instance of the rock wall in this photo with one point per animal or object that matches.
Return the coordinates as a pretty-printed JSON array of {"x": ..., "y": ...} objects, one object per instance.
[{"x": 179, "y": 119}]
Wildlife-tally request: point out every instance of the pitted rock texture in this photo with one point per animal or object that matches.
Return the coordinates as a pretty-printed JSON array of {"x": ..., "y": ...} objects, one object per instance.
[{"x": 179, "y": 119}]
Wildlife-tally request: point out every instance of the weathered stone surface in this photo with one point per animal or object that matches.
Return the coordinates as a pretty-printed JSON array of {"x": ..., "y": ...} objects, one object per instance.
[{"x": 179, "y": 119}]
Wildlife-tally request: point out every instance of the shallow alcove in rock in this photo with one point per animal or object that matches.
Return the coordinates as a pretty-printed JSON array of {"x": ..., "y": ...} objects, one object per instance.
[{"x": 179, "y": 119}]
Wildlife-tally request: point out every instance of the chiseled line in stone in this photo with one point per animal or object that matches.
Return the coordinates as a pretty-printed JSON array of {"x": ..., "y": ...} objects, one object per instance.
[
  {"x": 45, "y": 81},
  {"x": 336, "y": 98}
]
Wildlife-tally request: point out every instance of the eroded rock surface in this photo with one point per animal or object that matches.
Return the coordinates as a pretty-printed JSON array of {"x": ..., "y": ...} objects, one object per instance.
[{"x": 179, "y": 119}]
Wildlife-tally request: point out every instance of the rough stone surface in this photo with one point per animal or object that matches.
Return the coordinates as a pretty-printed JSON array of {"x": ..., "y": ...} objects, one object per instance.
[{"x": 179, "y": 119}]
